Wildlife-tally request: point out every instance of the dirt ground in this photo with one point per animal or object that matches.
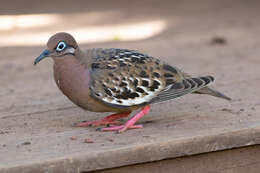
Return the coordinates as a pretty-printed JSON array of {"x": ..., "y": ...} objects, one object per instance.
[{"x": 215, "y": 37}]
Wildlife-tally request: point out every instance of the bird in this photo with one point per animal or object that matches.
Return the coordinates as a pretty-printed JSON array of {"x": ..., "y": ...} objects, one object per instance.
[{"x": 117, "y": 80}]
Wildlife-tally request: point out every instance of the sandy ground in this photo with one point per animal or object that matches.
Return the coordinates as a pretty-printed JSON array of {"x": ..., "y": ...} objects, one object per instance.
[{"x": 218, "y": 38}]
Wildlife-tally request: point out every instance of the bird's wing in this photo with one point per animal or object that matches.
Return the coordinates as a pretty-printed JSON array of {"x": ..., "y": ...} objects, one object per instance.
[{"x": 123, "y": 78}]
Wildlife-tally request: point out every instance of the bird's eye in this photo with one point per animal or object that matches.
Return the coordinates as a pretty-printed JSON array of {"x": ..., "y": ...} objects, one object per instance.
[{"x": 61, "y": 46}]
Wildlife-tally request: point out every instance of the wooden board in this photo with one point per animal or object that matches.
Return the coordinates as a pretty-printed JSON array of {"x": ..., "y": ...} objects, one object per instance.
[{"x": 36, "y": 132}]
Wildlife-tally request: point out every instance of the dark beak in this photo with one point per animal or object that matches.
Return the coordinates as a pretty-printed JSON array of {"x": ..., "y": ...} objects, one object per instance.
[{"x": 44, "y": 54}]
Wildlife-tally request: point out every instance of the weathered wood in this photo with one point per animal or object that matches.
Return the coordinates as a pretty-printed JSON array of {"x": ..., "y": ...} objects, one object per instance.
[
  {"x": 240, "y": 160},
  {"x": 36, "y": 133}
]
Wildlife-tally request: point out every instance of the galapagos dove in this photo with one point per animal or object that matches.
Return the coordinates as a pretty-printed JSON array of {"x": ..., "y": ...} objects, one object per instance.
[{"x": 117, "y": 80}]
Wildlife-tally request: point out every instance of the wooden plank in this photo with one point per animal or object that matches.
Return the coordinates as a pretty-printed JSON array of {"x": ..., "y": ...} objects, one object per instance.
[
  {"x": 36, "y": 133},
  {"x": 240, "y": 160}
]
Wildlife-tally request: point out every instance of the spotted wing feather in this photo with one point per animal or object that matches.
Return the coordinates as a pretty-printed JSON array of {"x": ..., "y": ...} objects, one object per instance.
[{"x": 123, "y": 77}]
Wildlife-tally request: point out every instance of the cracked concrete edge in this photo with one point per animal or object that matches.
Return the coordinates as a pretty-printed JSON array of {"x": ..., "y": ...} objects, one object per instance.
[{"x": 149, "y": 152}]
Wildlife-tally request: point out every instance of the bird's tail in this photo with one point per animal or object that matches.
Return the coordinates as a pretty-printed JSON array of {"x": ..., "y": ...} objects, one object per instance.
[{"x": 212, "y": 92}]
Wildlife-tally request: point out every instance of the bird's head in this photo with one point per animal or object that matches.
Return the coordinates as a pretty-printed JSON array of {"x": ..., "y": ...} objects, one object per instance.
[{"x": 58, "y": 46}]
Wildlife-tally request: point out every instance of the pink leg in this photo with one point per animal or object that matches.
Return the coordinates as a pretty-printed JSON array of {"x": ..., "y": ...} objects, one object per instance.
[
  {"x": 105, "y": 121},
  {"x": 114, "y": 128},
  {"x": 130, "y": 123}
]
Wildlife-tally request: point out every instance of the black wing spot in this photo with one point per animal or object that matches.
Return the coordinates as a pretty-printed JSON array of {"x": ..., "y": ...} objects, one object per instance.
[
  {"x": 97, "y": 94},
  {"x": 116, "y": 78},
  {"x": 122, "y": 84},
  {"x": 155, "y": 82},
  {"x": 168, "y": 75},
  {"x": 155, "y": 85},
  {"x": 133, "y": 95},
  {"x": 95, "y": 65},
  {"x": 126, "y": 94},
  {"x": 145, "y": 83},
  {"x": 108, "y": 92},
  {"x": 144, "y": 74},
  {"x": 113, "y": 89},
  {"x": 155, "y": 74},
  {"x": 119, "y": 101},
  {"x": 135, "y": 82},
  {"x": 140, "y": 90},
  {"x": 169, "y": 68}
]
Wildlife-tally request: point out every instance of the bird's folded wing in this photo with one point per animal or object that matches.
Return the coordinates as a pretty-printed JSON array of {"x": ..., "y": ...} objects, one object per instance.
[{"x": 123, "y": 78}]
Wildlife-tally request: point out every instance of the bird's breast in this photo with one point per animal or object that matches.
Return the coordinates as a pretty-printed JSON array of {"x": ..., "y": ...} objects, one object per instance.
[{"x": 72, "y": 79}]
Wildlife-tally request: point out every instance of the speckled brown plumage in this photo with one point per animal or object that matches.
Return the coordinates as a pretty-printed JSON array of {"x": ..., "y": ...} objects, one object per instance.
[
  {"x": 123, "y": 78},
  {"x": 117, "y": 80}
]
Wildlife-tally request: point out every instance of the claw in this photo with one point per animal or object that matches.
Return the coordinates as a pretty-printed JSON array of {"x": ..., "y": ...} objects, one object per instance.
[{"x": 109, "y": 120}]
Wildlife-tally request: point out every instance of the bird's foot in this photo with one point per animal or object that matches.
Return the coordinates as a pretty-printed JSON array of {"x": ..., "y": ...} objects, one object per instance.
[
  {"x": 120, "y": 128},
  {"x": 108, "y": 120},
  {"x": 130, "y": 123}
]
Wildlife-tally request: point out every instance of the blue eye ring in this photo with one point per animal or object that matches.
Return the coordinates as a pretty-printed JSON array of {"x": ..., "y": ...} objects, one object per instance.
[{"x": 61, "y": 46}]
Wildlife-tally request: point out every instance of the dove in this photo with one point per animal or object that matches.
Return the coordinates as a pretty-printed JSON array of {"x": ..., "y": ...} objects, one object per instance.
[{"x": 117, "y": 80}]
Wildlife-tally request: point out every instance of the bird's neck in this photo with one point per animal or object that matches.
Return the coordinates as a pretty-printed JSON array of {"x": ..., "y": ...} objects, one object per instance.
[
  {"x": 83, "y": 57},
  {"x": 65, "y": 61}
]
